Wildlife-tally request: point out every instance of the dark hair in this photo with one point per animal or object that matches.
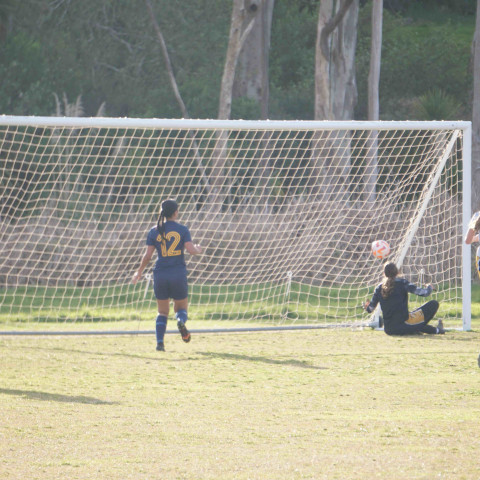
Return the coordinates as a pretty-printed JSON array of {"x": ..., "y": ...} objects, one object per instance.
[
  {"x": 391, "y": 271},
  {"x": 169, "y": 207}
]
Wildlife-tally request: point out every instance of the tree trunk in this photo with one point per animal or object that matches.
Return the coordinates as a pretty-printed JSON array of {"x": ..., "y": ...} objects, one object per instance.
[
  {"x": 335, "y": 84},
  {"x": 375, "y": 60},
  {"x": 240, "y": 27},
  {"x": 373, "y": 99},
  {"x": 476, "y": 115},
  {"x": 335, "y": 92},
  {"x": 251, "y": 80},
  {"x": 243, "y": 20}
]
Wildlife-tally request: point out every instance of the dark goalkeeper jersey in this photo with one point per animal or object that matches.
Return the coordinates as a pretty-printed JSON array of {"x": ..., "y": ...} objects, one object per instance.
[{"x": 395, "y": 306}]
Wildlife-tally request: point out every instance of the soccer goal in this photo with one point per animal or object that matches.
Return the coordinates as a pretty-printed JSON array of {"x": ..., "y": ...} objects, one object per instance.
[{"x": 285, "y": 210}]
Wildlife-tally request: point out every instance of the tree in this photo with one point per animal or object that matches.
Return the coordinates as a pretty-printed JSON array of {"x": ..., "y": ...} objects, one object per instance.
[
  {"x": 335, "y": 92},
  {"x": 246, "y": 14},
  {"x": 375, "y": 61},
  {"x": 166, "y": 58},
  {"x": 335, "y": 85},
  {"x": 476, "y": 113},
  {"x": 176, "y": 91},
  {"x": 241, "y": 24},
  {"x": 252, "y": 79},
  {"x": 373, "y": 97}
]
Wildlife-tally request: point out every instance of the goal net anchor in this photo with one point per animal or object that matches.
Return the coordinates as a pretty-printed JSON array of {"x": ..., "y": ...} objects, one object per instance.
[{"x": 286, "y": 300}]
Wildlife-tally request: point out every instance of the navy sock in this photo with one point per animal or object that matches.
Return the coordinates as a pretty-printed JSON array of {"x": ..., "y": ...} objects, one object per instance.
[
  {"x": 182, "y": 316},
  {"x": 160, "y": 327}
]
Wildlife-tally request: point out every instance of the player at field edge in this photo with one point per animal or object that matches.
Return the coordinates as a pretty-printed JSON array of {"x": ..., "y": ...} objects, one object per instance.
[
  {"x": 472, "y": 236},
  {"x": 392, "y": 294},
  {"x": 170, "y": 239}
]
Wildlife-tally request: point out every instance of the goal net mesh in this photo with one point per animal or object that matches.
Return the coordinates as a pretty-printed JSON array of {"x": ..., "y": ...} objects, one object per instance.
[{"x": 286, "y": 217}]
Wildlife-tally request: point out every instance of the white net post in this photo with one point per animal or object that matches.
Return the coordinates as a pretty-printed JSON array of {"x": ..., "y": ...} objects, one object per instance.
[
  {"x": 286, "y": 211},
  {"x": 466, "y": 215}
]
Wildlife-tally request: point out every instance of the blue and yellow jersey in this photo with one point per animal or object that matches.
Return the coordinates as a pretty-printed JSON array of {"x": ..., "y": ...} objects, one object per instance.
[{"x": 170, "y": 253}]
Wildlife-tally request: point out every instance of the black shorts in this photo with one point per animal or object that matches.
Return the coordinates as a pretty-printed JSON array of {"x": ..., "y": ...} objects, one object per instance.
[{"x": 170, "y": 284}]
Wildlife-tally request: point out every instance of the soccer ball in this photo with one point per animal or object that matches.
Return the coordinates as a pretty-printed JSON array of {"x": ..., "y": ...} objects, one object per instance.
[{"x": 380, "y": 249}]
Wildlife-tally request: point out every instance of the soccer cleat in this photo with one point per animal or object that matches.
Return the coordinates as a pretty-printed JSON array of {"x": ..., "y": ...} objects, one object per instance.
[
  {"x": 160, "y": 347},
  {"x": 440, "y": 328},
  {"x": 183, "y": 331}
]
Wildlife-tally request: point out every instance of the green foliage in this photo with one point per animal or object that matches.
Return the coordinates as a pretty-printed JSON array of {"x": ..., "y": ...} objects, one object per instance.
[
  {"x": 436, "y": 105},
  {"x": 442, "y": 8},
  {"x": 107, "y": 51},
  {"x": 292, "y": 61},
  {"x": 416, "y": 57},
  {"x": 24, "y": 87}
]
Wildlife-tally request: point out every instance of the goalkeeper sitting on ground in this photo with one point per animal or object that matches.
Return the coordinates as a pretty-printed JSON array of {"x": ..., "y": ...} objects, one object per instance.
[{"x": 392, "y": 295}]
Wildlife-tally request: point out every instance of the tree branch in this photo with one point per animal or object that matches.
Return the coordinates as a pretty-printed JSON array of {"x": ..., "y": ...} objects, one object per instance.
[
  {"x": 168, "y": 63},
  {"x": 176, "y": 91},
  {"x": 332, "y": 25}
]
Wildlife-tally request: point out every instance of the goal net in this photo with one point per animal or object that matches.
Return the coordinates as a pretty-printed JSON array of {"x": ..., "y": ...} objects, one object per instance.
[{"x": 286, "y": 213}]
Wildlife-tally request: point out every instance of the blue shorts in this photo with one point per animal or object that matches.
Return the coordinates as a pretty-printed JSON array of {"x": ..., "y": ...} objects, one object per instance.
[{"x": 170, "y": 284}]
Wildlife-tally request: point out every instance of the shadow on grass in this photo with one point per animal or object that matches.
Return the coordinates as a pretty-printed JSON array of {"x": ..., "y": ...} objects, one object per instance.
[
  {"x": 69, "y": 351},
  {"x": 55, "y": 397},
  {"x": 257, "y": 359}
]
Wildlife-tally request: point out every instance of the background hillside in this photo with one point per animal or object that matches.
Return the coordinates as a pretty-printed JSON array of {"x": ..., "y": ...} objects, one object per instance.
[{"x": 104, "y": 55}]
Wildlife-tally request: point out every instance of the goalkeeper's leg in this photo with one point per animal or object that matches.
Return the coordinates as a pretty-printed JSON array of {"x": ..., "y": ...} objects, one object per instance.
[{"x": 418, "y": 321}]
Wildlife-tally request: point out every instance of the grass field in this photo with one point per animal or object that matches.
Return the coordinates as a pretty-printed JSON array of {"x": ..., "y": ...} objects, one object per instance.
[
  {"x": 320, "y": 404},
  {"x": 127, "y": 308}
]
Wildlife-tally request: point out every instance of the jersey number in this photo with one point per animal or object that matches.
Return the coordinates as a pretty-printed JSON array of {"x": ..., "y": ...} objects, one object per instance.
[{"x": 171, "y": 252}]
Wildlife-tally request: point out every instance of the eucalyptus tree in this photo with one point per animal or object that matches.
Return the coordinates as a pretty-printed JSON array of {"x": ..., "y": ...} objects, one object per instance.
[
  {"x": 476, "y": 113},
  {"x": 373, "y": 98},
  {"x": 335, "y": 92},
  {"x": 335, "y": 84}
]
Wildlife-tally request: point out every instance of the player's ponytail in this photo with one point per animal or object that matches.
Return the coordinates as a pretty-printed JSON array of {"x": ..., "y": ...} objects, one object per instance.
[
  {"x": 391, "y": 271},
  {"x": 169, "y": 207}
]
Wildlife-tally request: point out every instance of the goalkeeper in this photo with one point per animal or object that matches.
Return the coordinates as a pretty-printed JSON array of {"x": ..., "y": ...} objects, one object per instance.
[
  {"x": 392, "y": 295},
  {"x": 472, "y": 236},
  {"x": 170, "y": 239}
]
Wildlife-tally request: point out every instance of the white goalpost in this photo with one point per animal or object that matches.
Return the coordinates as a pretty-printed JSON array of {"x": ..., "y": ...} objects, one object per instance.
[{"x": 286, "y": 212}]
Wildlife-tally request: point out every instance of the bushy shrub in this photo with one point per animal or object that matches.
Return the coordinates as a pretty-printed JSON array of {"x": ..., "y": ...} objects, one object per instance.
[{"x": 435, "y": 105}]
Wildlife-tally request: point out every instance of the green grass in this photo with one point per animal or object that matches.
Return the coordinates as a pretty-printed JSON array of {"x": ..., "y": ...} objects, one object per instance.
[
  {"x": 125, "y": 307},
  {"x": 322, "y": 404}
]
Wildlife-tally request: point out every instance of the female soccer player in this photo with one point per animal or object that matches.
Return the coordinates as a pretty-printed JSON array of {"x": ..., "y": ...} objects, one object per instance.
[
  {"x": 392, "y": 295},
  {"x": 170, "y": 239},
  {"x": 472, "y": 236}
]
